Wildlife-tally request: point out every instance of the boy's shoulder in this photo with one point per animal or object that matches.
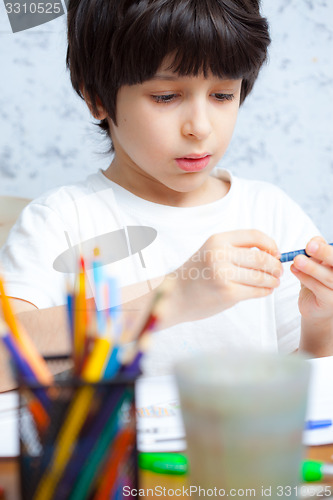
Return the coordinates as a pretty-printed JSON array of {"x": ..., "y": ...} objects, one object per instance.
[
  {"x": 259, "y": 187},
  {"x": 252, "y": 189},
  {"x": 69, "y": 193}
]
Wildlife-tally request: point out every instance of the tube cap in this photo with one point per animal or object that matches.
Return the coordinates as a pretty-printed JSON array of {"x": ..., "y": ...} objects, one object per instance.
[
  {"x": 164, "y": 463},
  {"x": 312, "y": 470}
]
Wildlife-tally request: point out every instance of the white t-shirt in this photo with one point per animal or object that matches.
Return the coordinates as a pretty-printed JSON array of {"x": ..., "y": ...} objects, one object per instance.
[{"x": 140, "y": 240}]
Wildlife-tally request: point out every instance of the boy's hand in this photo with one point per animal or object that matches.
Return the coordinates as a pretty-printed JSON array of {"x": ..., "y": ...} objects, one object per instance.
[
  {"x": 229, "y": 267},
  {"x": 316, "y": 277}
]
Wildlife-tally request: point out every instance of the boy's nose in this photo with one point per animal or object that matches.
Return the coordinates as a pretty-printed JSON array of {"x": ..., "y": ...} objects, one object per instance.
[{"x": 196, "y": 123}]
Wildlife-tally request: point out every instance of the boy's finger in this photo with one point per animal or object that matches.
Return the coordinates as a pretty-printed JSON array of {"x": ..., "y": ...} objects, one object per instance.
[
  {"x": 320, "y": 250},
  {"x": 245, "y": 292},
  {"x": 320, "y": 272},
  {"x": 322, "y": 293},
  {"x": 252, "y": 277},
  {"x": 257, "y": 259},
  {"x": 252, "y": 238}
]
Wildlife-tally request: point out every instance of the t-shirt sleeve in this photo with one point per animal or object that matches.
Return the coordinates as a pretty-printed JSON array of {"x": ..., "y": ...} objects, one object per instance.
[
  {"x": 294, "y": 230},
  {"x": 26, "y": 259}
]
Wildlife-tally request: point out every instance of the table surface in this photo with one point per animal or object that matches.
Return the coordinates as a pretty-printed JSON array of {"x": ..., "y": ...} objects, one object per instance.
[{"x": 9, "y": 475}]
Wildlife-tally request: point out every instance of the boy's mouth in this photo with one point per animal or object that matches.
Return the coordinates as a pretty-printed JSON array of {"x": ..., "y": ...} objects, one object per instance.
[{"x": 193, "y": 163}]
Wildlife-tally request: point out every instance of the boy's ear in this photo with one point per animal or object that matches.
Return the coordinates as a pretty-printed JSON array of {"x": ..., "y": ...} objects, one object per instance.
[{"x": 101, "y": 114}]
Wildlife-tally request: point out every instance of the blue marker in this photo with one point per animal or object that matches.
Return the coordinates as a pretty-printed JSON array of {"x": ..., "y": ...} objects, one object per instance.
[
  {"x": 317, "y": 424},
  {"x": 289, "y": 256}
]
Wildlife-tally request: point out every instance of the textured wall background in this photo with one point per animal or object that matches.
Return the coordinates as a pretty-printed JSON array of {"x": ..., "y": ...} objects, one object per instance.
[{"x": 284, "y": 133}]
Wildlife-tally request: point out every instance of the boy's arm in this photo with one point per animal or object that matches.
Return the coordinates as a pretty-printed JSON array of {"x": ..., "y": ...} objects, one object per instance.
[
  {"x": 316, "y": 297},
  {"x": 317, "y": 337}
]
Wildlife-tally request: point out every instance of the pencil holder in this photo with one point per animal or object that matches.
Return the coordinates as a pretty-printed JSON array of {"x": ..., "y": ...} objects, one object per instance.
[{"x": 78, "y": 440}]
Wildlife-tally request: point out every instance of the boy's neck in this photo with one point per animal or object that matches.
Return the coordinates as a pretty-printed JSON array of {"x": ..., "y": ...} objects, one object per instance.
[{"x": 211, "y": 190}]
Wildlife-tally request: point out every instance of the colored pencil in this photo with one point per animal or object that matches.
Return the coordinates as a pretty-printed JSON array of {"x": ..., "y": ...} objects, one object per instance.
[
  {"x": 39, "y": 414},
  {"x": 131, "y": 367},
  {"x": 93, "y": 370},
  {"x": 157, "y": 306},
  {"x": 83, "y": 448},
  {"x": 26, "y": 374},
  {"x": 35, "y": 406},
  {"x": 39, "y": 366},
  {"x": 119, "y": 454},
  {"x": 80, "y": 318},
  {"x": 69, "y": 432},
  {"x": 98, "y": 281},
  {"x": 91, "y": 470},
  {"x": 65, "y": 442},
  {"x": 113, "y": 363},
  {"x": 70, "y": 307}
]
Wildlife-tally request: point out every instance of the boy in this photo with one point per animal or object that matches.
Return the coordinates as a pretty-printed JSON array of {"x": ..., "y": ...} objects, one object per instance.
[{"x": 166, "y": 78}]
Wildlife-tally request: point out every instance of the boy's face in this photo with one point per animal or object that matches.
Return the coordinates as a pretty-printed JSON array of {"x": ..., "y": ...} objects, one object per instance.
[{"x": 171, "y": 132}]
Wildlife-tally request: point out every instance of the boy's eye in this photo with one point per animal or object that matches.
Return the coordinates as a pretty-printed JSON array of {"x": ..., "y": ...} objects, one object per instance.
[
  {"x": 164, "y": 98},
  {"x": 223, "y": 97}
]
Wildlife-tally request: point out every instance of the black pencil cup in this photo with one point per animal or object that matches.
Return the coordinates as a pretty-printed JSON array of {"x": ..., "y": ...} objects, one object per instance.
[{"x": 78, "y": 440}]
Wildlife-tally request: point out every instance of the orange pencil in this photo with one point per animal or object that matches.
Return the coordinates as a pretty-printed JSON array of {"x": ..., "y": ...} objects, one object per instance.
[{"x": 38, "y": 413}]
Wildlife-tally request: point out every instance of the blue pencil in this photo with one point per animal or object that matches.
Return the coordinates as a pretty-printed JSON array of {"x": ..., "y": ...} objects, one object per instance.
[
  {"x": 70, "y": 305},
  {"x": 99, "y": 280},
  {"x": 289, "y": 256}
]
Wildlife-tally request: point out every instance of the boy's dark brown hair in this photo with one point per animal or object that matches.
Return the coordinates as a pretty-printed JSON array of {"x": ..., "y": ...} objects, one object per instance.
[{"x": 112, "y": 43}]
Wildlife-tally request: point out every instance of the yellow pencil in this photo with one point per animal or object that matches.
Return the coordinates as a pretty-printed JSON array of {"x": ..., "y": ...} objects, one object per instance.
[{"x": 94, "y": 367}]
